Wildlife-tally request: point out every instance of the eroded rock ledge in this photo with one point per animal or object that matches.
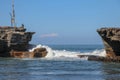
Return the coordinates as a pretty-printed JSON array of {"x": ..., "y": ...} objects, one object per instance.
[
  {"x": 37, "y": 53},
  {"x": 100, "y": 58}
]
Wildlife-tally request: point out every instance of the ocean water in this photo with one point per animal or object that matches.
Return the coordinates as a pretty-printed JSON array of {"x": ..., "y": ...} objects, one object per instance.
[{"x": 61, "y": 63}]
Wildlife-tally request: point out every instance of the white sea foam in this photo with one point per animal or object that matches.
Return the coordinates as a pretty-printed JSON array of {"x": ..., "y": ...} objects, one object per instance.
[{"x": 60, "y": 54}]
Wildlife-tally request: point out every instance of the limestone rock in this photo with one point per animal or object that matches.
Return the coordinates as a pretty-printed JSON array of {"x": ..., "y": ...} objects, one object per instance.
[
  {"x": 111, "y": 40},
  {"x": 39, "y": 52},
  {"x": 21, "y": 54}
]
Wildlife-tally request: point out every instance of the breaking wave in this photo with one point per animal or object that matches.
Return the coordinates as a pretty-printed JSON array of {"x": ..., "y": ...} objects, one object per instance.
[{"x": 63, "y": 54}]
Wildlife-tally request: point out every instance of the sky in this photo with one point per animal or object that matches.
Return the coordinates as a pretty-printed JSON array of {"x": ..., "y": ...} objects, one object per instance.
[{"x": 63, "y": 21}]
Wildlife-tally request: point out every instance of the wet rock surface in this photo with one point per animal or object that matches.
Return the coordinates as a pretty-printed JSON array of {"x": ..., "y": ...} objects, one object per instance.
[
  {"x": 38, "y": 52},
  {"x": 14, "y": 39},
  {"x": 100, "y": 58},
  {"x": 111, "y": 40}
]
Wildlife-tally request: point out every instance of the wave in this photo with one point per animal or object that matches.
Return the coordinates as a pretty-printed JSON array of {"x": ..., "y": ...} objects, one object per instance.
[{"x": 63, "y": 54}]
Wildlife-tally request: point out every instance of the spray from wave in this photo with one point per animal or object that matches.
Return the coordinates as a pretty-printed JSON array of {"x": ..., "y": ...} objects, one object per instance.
[{"x": 63, "y": 54}]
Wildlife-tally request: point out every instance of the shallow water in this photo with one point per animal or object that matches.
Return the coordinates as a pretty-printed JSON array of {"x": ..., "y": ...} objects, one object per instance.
[{"x": 58, "y": 68}]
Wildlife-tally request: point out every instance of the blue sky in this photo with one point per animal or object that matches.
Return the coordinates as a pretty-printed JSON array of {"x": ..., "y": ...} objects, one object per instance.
[{"x": 63, "y": 21}]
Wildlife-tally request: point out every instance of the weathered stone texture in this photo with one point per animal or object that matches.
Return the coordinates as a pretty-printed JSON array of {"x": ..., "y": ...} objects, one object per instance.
[
  {"x": 39, "y": 52},
  {"x": 21, "y": 54},
  {"x": 14, "y": 38},
  {"x": 111, "y": 40}
]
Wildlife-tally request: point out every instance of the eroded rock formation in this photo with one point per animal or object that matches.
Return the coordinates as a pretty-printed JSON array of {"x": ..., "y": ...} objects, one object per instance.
[
  {"x": 38, "y": 52},
  {"x": 111, "y": 40}
]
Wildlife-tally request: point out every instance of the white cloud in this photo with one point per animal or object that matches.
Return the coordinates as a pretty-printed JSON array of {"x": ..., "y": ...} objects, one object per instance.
[{"x": 49, "y": 35}]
